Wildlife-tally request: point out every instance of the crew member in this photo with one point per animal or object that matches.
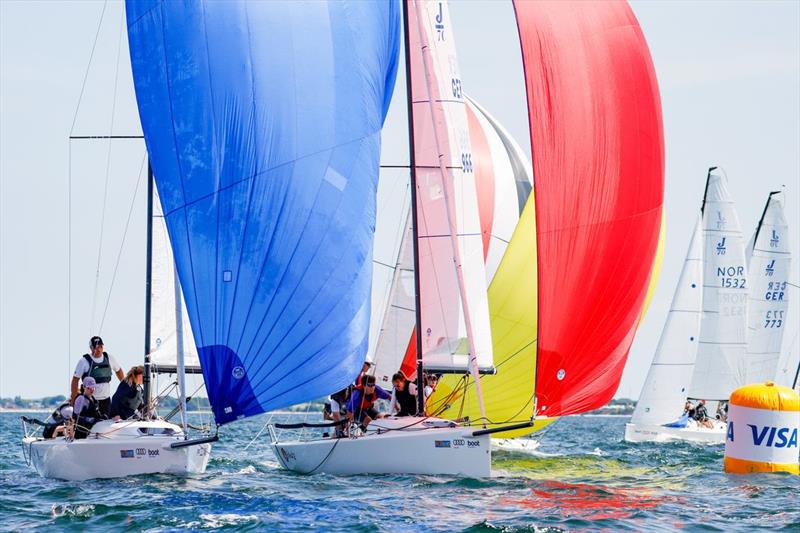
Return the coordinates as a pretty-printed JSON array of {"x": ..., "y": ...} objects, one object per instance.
[
  {"x": 98, "y": 365},
  {"x": 128, "y": 399},
  {"x": 361, "y": 407},
  {"x": 404, "y": 396}
]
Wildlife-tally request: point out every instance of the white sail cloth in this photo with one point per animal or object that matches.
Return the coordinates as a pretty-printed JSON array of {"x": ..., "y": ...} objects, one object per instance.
[
  {"x": 721, "y": 364},
  {"x": 768, "y": 266},
  {"x": 664, "y": 389},
  {"x": 163, "y": 323}
]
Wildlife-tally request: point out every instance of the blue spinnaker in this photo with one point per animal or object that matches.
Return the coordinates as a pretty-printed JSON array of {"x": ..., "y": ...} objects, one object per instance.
[
  {"x": 682, "y": 422},
  {"x": 262, "y": 122}
]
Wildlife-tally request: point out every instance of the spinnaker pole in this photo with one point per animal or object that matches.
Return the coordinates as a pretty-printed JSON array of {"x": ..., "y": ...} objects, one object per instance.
[
  {"x": 148, "y": 297},
  {"x": 414, "y": 227}
]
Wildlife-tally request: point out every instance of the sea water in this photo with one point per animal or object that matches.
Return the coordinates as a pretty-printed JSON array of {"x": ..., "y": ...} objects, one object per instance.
[{"x": 583, "y": 476}]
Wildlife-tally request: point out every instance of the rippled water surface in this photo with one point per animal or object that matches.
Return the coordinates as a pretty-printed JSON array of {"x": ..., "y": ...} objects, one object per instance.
[{"x": 582, "y": 477}]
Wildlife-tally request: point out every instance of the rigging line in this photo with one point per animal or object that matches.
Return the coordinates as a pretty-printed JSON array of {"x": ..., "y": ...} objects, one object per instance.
[
  {"x": 88, "y": 67},
  {"x": 122, "y": 244},
  {"x": 69, "y": 187},
  {"x": 108, "y": 173}
]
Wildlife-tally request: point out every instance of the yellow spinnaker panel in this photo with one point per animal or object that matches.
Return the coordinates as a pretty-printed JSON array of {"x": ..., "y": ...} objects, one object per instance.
[
  {"x": 657, "y": 262},
  {"x": 508, "y": 395}
]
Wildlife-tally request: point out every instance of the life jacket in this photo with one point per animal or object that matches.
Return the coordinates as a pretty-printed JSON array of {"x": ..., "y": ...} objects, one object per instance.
[
  {"x": 91, "y": 411},
  {"x": 101, "y": 372},
  {"x": 407, "y": 401},
  {"x": 368, "y": 400}
]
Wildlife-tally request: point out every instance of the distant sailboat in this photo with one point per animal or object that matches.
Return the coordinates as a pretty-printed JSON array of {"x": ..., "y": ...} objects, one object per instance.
[
  {"x": 769, "y": 265},
  {"x": 702, "y": 351}
]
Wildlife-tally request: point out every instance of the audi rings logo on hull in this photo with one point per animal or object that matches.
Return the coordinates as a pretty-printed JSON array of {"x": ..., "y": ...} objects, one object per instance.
[{"x": 238, "y": 372}]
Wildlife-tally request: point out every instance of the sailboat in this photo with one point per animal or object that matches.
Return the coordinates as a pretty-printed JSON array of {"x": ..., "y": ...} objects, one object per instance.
[
  {"x": 769, "y": 264},
  {"x": 701, "y": 354},
  {"x": 152, "y": 444},
  {"x": 443, "y": 257},
  {"x": 560, "y": 336}
]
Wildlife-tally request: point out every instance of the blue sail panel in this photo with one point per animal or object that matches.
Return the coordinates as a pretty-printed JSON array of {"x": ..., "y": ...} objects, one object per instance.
[{"x": 262, "y": 122}]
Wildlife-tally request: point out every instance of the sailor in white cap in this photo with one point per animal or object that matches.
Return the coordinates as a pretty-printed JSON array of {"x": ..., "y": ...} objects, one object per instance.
[{"x": 99, "y": 365}]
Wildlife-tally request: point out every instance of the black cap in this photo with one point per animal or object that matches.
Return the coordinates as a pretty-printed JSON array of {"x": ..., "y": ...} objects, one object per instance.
[{"x": 95, "y": 341}]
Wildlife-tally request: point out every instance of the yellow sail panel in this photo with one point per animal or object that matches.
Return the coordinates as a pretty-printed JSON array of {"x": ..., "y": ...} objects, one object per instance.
[
  {"x": 657, "y": 262},
  {"x": 508, "y": 394}
]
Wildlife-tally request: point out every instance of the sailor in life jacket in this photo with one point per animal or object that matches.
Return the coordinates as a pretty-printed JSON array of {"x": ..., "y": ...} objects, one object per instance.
[
  {"x": 98, "y": 365},
  {"x": 87, "y": 409},
  {"x": 129, "y": 397},
  {"x": 361, "y": 406},
  {"x": 404, "y": 396}
]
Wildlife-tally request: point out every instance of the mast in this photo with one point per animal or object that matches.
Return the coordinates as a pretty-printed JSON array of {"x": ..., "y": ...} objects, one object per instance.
[
  {"x": 428, "y": 70},
  {"x": 761, "y": 220},
  {"x": 705, "y": 193},
  {"x": 148, "y": 393},
  {"x": 414, "y": 227}
]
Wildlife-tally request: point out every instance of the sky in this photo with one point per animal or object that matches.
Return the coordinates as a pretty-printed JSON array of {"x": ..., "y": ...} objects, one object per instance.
[{"x": 729, "y": 76}]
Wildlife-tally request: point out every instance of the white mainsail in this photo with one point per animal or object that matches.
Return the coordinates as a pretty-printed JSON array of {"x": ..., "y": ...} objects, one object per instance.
[
  {"x": 664, "y": 389},
  {"x": 768, "y": 267},
  {"x": 721, "y": 366},
  {"x": 163, "y": 318},
  {"x": 456, "y": 334},
  {"x": 508, "y": 174}
]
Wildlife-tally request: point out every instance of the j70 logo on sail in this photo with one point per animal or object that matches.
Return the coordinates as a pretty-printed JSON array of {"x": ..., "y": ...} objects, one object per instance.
[
  {"x": 770, "y": 270},
  {"x": 775, "y": 240},
  {"x": 721, "y": 246},
  {"x": 721, "y": 221},
  {"x": 786, "y": 437},
  {"x": 439, "y": 24}
]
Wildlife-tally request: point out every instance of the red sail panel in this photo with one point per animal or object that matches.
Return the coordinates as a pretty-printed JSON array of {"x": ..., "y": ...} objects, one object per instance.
[
  {"x": 484, "y": 177},
  {"x": 598, "y": 160}
]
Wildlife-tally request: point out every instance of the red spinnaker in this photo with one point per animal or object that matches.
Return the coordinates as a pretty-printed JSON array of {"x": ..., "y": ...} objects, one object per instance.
[{"x": 598, "y": 161}]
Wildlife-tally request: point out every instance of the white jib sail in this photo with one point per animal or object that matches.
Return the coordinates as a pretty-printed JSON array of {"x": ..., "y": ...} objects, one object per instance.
[
  {"x": 399, "y": 317},
  {"x": 768, "y": 267},
  {"x": 721, "y": 364},
  {"x": 163, "y": 323},
  {"x": 665, "y": 388},
  {"x": 455, "y": 316}
]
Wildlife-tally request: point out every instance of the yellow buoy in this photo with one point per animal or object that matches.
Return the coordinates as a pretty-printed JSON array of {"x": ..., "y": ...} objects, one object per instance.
[{"x": 763, "y": 427}]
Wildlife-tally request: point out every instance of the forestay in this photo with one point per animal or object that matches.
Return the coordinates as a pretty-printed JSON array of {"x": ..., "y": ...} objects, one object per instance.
[
  {"x": 262, "y": 121},
  {"x": 769, "y": 264},
  {"x": 665, "y": 387},
  {"x": 721, "y": 365}
]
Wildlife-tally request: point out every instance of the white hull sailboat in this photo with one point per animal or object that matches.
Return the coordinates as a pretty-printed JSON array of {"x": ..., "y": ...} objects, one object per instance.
[
  {"x": 393, "y": 445},
  {"x": 702, "y": 351},
  {"x": 692, "y": 433},
  {"x": 118, "y": 449}
]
